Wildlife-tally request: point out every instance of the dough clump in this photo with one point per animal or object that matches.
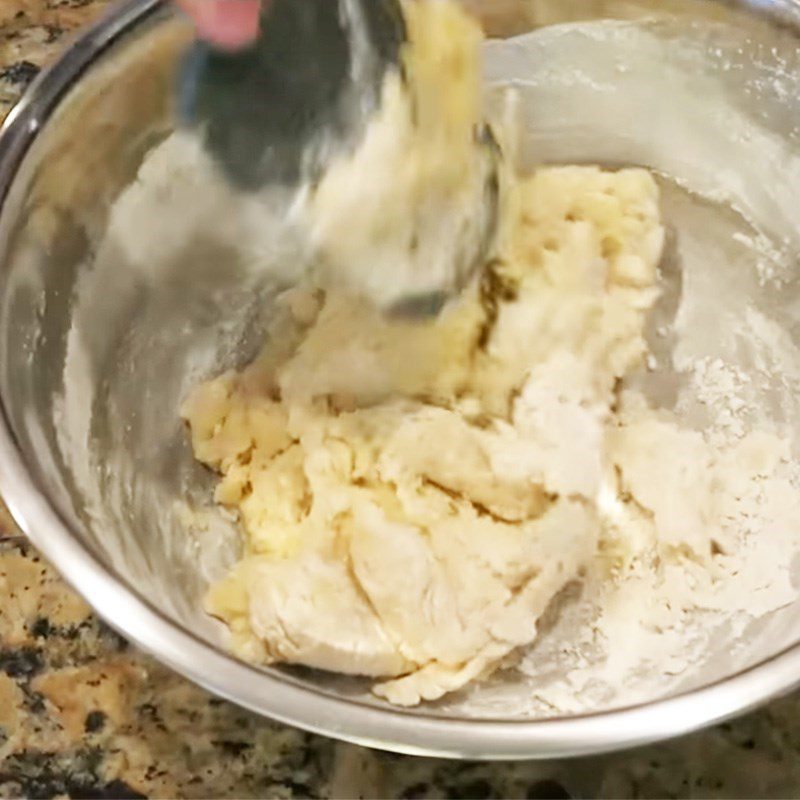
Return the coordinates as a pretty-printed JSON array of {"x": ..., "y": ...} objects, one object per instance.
[{"x": 415, "y": 494}]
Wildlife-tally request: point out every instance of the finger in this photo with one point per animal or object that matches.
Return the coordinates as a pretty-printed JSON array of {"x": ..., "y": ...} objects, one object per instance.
[{"x": 227, "y": 24}]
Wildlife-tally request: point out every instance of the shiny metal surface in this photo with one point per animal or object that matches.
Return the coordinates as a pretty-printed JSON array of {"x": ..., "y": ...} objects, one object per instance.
[{"x": 93, "y": 460}]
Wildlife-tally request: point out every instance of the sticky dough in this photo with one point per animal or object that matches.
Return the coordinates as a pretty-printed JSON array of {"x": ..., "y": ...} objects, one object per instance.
[{"x": 414, "y": 495}]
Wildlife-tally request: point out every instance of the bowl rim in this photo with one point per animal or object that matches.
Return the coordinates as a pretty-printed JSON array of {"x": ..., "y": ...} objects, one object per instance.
[{"x": 278, "y": 696}]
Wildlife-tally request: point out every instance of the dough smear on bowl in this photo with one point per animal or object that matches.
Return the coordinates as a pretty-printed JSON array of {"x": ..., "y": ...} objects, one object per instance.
[{"x": 414, "y": 495}]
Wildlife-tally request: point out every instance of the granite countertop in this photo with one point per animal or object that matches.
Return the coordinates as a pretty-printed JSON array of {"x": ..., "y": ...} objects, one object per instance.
[{"x": 83, "y": 714}]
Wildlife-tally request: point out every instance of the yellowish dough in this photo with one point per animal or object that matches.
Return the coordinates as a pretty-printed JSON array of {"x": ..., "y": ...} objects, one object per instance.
[{"x": 413, "y": 495}]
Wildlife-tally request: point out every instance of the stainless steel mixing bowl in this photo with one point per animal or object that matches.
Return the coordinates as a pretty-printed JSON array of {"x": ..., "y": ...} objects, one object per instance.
[{"x": 96, "y": 349}]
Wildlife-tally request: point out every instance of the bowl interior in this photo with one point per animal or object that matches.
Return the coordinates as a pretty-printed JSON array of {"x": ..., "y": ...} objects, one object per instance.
[{"x": 103, "y": 328}]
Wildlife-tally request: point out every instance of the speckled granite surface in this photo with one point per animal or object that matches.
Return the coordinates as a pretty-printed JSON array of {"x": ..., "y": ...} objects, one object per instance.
[{"x": 82, "y": 714}]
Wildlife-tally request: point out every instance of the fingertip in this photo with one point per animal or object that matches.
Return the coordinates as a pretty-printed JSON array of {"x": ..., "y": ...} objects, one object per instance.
[{"x": 227, "y": 24}]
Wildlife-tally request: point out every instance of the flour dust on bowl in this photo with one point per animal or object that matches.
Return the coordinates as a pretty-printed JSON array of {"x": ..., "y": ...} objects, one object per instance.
[{"x": 686, "y": 612}]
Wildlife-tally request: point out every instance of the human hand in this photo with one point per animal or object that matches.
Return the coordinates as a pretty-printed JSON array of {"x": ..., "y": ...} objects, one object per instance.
[{"x": 227, "y": 24}]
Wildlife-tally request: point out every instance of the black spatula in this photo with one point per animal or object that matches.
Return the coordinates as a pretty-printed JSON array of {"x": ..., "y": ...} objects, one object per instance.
[{"x": 275, "y": 111}]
